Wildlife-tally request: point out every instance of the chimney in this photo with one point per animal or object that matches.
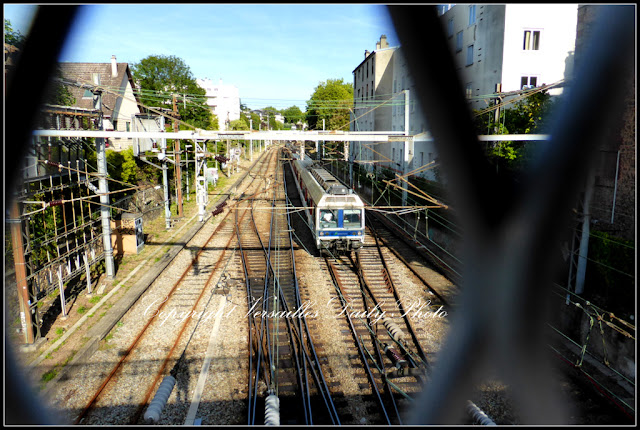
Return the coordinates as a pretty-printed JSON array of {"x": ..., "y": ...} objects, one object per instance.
[
  {"x": 377, "y": 46},
  {"x": 366, "y": 54},
  {"x": 383, "y": 41},
  {"x": 114, "y": 67}
]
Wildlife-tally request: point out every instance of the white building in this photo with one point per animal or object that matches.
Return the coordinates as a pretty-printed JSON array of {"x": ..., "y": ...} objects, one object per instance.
[
  {"x": 224, "y": 101},
  {"x": 383, "y": 96},
  {"x": 119, "y": 104},
  {"x": 515, "y": 45}
]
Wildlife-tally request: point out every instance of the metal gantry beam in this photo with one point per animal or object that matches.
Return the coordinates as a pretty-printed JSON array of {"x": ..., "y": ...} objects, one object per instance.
[{"x": 315, "y": 136}]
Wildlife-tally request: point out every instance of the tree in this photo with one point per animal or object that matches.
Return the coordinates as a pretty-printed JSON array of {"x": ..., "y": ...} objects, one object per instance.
[
  {"x": 238, "y": 124},
  {"x": 528, "y": 116},
  {"x": 57, "y": 94},
  {"x": 255, "y": 121},
  {"x": 331, "y": 101},
  {"x": 11, "y": 36},
  {"x": 160, "y": 77},
  {"x": 293, "y": 115}
]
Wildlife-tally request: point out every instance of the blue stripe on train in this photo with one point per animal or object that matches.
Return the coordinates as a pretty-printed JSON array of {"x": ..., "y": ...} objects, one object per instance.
[{"x": 339, "y": 233}]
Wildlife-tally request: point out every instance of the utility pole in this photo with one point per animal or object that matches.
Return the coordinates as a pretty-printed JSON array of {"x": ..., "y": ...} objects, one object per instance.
[
  {"x": 21, "y": 272},
  {"x": 187, "y": 166},
  {"x": 103, "y": 186},
  {"x": 323, "y": 140},
  {"x": 177, "y": 159},
  {"x": 584, "y": 239},
  {"x": 250, "y": 140},
  {"x": 405, "y": 160},
  {"x": 498, "y": 100}
]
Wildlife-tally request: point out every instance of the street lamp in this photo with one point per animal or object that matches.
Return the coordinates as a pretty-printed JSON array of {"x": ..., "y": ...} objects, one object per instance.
[{"x": 187, "y": 163}]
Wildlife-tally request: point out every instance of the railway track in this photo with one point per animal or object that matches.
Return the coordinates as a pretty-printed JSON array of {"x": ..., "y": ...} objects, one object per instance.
[
  {"x": 182, "y": 300},
  {"x": 285, "y": 370},
  {"x": 291, "y": 378},
  {"x": 387, "y": 346}
]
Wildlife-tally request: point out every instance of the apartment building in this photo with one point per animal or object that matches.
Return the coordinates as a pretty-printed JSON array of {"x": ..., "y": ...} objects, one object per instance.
[
  {"x": 383, "y": 101},
  {"x": 515, "y": 45},
  {"x": 223, "y": 100},
  {"x": 373, "y": 100}
]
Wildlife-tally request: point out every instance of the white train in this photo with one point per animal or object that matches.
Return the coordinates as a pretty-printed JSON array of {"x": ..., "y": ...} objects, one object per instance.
[{"x": 335, "y": 213}]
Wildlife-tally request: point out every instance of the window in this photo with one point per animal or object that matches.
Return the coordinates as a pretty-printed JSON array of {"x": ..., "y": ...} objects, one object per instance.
[
  {"x": 469, "y": 55},
  {"x": 87, "y": 94},
  {"x": 472, "y": 14},
  {"x": 531, "y": 40},
  {"x": 128, "y": 125},
  {"x": 352, "y": 218},
  {"x": 115, "y": 125},
  {"x": 459, "y": 41},
  {"x": 393, "y": 154},
  {"x": 328, "y": 218},
  {"x": 469, "y": 90},
  {"x": 450, "y": 28},
  {"x": 528, "y": 82},
  {"x": 422, "y": 158},
  {"x": 395, "y": 85}
]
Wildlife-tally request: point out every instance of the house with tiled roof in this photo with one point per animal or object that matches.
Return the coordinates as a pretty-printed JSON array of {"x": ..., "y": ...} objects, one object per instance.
[{"x": 119, "y": 102}]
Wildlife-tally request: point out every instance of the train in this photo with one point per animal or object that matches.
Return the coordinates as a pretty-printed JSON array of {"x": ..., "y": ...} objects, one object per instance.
[{"x": 335, "y": 213}]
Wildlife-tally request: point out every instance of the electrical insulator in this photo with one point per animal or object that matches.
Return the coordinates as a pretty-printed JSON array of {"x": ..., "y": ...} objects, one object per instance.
[
  {"x": 396, "y": 332},
  {"x": 272, "y": 410},
  {"x": 160, "y": 399}
]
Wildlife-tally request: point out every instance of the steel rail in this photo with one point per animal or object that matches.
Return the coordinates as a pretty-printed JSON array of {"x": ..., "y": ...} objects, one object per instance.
[
  {"x": 364, "y": 290},
  {"x": 252, "y": 393},
  {"x": 394, "y": 291},
  {"x": 374, "y": 385},
  {"x": 140, "y": 335},
  {"x": 322, "y": 386}
]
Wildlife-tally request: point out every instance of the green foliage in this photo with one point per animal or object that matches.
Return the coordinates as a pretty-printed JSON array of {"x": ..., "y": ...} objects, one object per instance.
[
  {"x": 528, "y": 116},
  {"x": 293, "y": 115},
  {"x": 332, "y": 101},
  {"x": 160, "y": 76},
  {"x": 616, "y": 256},
  {"x": 48, "y": 376},
  {"x": 238, "y": 124},
  {"x": 11, "y": 36},
  {"x": 130, "y": 170},
  {"x": 255, "y": 118},
  {"x": 82, "y": 310}
]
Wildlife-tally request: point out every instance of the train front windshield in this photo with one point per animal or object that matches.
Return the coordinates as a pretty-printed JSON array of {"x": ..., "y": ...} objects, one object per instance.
[
  {"x": 352, "y": 218},
  {"x": 340, "y": 218}
]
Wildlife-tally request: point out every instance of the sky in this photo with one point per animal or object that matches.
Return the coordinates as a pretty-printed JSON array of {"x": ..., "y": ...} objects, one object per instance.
[{"x": 275, "y": 54}]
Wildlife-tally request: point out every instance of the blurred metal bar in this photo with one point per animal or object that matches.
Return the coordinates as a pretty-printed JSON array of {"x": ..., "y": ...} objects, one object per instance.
[{"x": 510, "y": 228}]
